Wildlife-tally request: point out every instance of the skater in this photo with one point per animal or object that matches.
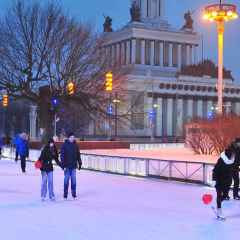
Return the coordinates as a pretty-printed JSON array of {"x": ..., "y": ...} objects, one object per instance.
[
  {"x": 70, "y": 160},
  {"x": 236, "y": 169},
  {"x": 222, "y": 176},
  {"x": 48, "y": 154},
  {"x": 16, "y": 143},
  {"x": 1, "y": 146},
  {"x": 23, "y": 150}
]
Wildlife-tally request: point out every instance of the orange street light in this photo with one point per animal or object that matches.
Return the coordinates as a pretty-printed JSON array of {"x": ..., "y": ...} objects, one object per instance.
[{"x": 220, "y": 13}]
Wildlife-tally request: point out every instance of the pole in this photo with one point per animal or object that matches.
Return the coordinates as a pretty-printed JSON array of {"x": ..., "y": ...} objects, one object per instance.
[
  {"x": 55, "y": 124},
  {"x": 220, "y": 28},
  {"x": 116, "y": 114},
  {"x": 153, "y": 117},
  {"x": 110, "y": 116}
]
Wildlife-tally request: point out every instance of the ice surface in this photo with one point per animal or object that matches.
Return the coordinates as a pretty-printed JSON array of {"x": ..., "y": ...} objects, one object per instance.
[{"x": 109, "y": 207}]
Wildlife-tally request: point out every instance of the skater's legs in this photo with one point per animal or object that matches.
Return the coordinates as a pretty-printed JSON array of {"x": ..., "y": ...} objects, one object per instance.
[
  {"x": 66, "y": 181},
  {"x": 50, "y": 185},
  {"x": 44, "y": 184},
  {"x": 73, "y": 182},
  {"x": 23, "y": 163},
  {"x": 236, "y": 183}
]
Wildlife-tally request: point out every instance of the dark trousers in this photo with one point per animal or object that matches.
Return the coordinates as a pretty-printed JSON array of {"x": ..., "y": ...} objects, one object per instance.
[
  {"x": 222, "y": 192},
  {"x": 23, "y": 163},
  {"x": 16, "y": 155},
  {"x": 235, "y": 183},
  {"x": 70, "y": 174}
]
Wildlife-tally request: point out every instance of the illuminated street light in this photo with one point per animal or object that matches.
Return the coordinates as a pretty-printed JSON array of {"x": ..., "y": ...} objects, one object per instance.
[{"x": 220, "y": 13}]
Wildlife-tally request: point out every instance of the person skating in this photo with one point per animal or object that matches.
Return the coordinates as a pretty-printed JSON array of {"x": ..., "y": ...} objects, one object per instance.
[
  {"x": 1, "y": 146},
  {"x": 70, "y": 160},
  {"x": 48, "y": 154},
  {"x": 23, "y": 150},
  {"x": 236, "y": 169},
  {"x": 16, "y": 143},
  {"x": 222, "y": 176}
]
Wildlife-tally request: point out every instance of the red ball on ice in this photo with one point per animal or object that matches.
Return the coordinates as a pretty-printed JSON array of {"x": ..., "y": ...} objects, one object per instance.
[{"x": 207, "y": 198}]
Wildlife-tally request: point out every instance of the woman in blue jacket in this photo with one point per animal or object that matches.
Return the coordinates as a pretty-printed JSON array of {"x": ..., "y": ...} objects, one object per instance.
[{"x": 23, "y": 150}]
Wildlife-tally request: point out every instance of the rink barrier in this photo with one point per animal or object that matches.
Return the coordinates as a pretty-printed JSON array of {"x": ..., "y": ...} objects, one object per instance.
[{"x": 185, "y": 171}]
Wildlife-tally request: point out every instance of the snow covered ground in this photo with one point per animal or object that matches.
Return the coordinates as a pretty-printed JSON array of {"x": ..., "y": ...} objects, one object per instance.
[{"x": 109, "y": 207}]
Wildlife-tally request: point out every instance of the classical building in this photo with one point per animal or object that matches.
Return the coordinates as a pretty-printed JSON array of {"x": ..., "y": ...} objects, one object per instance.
[{"x": 161, "y": 99}]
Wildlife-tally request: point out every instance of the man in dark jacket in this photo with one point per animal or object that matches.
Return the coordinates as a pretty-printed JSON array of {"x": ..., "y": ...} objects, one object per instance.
[{"x": 70, "y": 160}]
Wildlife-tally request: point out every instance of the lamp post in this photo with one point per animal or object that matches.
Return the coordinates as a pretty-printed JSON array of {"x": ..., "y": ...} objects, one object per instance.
[{"x": 220, "y": 13}]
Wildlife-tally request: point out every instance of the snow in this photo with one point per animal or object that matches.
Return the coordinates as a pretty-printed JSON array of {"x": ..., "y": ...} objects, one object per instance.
[{"x": 109, "y": 207}]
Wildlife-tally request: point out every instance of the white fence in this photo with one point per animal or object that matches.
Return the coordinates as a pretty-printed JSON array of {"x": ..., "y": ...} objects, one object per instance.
[{"x": 197, "y": 172}]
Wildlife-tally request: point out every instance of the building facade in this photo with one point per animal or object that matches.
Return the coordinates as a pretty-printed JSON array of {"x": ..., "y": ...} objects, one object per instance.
[{"x": 161, "y": 100}]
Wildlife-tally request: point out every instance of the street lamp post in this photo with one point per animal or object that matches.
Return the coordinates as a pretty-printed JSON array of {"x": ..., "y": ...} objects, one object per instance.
[{"x": 220, "y": 13}]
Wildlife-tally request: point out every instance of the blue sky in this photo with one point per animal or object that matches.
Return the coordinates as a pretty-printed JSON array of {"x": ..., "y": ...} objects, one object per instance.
[{"x": 93, "y": 10}]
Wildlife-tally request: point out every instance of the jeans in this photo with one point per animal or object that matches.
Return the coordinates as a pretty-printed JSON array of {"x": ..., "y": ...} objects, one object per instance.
[
  {"x": 70, "y": 173},
  {"x": 236, "y": 182},
  {"x": 47, "y": 180},
  {"x": 23, "y": 163}
]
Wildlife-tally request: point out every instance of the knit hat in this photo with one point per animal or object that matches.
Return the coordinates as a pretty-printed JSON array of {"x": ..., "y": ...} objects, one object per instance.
[{"x": 70, "y": 134}]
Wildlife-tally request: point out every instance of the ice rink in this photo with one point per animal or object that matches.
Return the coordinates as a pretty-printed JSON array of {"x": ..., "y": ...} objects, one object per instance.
[{"x": 109, "y": 207}]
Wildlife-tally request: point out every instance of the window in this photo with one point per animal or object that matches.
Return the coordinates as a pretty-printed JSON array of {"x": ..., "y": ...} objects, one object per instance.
[
  {"x": 165, "y": 54},
  {"x": 147, "y": 52},
  {"x": 175, "y": 55},
  {"x": 157, "y": 53},
  {"x": 184, "y": 55},
  {"x": 138, "y": 51},
  {"x": 137, "y": 114}
]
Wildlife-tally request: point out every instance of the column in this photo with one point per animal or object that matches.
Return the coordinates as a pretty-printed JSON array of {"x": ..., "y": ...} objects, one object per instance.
[
  {"x": 123, "y": 53},
  {"x": 179, "y": 56},
  {"x": 161, "y": 54},
  {"x": 133, "y": 52},
  {"x": 200, "y": 108},
  {"x": 169, "y": 117},
  {"x": 128, "y": 51},
  {"x": 179, "y": 124},
  {"x": 170, "y": 55},
  {"x": 159, "y": 121},
  {"x": 152, "y": 54},
  {"x": 188, "y": 55},
  {"x": 143, "y": 45},
  {"x": 33, "y": 121},
  {"x": 189, "y": 109}
]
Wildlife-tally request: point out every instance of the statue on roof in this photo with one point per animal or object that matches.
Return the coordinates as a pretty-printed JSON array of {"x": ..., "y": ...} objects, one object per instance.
[
  {"x": 135, "y": 12},
  {"x": 188, "y": 21},
  {"x": 107, "y": 26}
]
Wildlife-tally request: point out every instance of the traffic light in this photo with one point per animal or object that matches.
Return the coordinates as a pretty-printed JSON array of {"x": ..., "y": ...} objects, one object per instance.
[
  {"x": 5, "y": 100},
  {"x": 54, "y": 103},
  {"x": 71, "y": 88},
  {"x": 108, "y": 81}
]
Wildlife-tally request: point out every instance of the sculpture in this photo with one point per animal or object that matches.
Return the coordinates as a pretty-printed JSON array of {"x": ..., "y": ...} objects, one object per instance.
[
  {"x": 107, "y": 26},
  {"x": 188, "y": 21},
  {"x": 135, "y": 12}
]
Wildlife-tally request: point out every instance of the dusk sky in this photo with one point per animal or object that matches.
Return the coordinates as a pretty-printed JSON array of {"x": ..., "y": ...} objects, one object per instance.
[{"x": 93, "y": 10}]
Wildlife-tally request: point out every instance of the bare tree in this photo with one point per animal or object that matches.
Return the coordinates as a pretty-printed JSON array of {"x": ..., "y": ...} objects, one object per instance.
[{"x": 42, "y": 46}]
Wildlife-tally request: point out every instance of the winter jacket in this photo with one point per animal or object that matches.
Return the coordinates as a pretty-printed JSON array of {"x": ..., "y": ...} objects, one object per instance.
[
  {"x": 16, "y": 142},
  {"x": 222, "y": 172},
  {"x": 48, "y": 154},
  {"x": 70, "y": 155},
  {"x": 23, "y": 148}
]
